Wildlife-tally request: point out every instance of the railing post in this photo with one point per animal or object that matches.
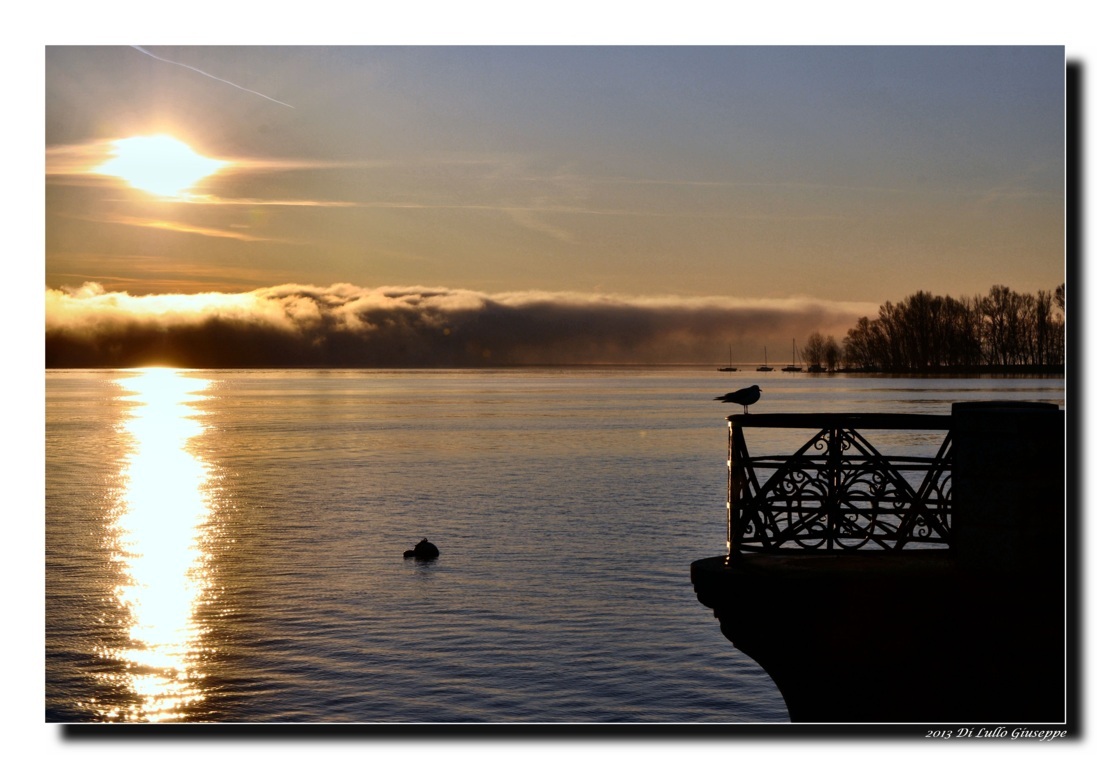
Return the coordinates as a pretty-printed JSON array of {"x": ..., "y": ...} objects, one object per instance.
[
  {"x": 735, "y": 482},
  {"x": 741, "y": 479}
]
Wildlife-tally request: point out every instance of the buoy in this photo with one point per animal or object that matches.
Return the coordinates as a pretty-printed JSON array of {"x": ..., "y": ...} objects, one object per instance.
[{"x": 425, "y": 550}]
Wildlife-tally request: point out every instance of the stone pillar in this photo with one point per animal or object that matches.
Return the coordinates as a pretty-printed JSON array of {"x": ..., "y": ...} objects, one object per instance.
[{"x": 1008, "y": 488}]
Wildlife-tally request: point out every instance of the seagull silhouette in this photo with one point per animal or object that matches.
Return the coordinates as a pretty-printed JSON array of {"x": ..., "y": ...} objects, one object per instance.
[{"x": 744, "y": 397}]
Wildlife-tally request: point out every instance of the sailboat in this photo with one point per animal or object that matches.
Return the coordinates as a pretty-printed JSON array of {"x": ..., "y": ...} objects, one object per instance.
[
  {"x": 729, "y": 366},
  {"x": 765, "y": 367},
  {"x": 793, "y": 367}
]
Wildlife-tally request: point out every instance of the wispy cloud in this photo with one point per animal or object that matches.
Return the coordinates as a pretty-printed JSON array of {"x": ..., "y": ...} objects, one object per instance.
[
  {"x": 528, "y": 219},
  {"x": 77, "y": 159},
  {"x": 522, "y": 214},
  {"x": 69, "y": 162},
  {"x": 349, "y": 326},
  {"x": 177, "y": 226},
  {"x": 255, "y": 202},
  {"x": 163, "y": 273}
]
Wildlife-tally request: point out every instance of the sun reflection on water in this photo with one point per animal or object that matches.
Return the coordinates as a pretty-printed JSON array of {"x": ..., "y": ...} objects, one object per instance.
[{"x": 160, "y": 543}]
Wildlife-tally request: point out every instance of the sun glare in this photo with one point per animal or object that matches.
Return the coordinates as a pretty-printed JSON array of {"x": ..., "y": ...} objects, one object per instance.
[
  {"x": 161, "y": 543},
  {"x": 160, "y": 165}
]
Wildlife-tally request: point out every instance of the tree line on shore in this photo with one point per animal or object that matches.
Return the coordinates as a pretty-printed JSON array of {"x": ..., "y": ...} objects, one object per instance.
[{"x": 923, "y": 332}]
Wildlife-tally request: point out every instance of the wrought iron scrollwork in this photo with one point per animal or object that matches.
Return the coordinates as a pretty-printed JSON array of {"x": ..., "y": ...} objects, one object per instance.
[{"x": 838, "y": 492}]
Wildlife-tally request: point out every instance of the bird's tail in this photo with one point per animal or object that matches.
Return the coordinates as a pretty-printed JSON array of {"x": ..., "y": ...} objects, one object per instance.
[{"x": 722, "y": 397}]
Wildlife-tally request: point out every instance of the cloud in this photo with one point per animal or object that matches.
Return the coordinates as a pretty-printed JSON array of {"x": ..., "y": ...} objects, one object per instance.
[
  {"x": 176, "y": 226},
  {"x": 349, "y": 326},
  {"x": 81, "y": 163},
  {"x": 77, "y": 160}
]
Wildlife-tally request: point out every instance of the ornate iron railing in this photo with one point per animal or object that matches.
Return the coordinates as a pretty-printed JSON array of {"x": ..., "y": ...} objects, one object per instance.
[{"x": 837, "y": 491}]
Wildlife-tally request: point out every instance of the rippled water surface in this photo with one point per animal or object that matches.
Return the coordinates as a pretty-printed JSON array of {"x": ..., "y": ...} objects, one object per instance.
[{"x": 227, "y": 545}]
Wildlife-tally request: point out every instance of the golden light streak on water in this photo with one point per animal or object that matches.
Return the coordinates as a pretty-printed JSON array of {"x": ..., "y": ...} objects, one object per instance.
[{"x": 160, "y": 543}]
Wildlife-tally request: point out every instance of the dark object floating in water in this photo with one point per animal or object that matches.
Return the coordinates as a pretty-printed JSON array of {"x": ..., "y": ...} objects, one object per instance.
[
  {"x": 425, "y": 550},
  {"x": 744, "y": 397}
]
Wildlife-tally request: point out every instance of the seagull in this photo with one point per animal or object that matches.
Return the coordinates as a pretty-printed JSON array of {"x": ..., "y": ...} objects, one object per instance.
[{"x": 744, "y": 397}]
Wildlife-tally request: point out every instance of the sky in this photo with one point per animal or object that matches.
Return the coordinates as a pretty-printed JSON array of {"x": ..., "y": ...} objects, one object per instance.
[{"x": 520, "y": 204}]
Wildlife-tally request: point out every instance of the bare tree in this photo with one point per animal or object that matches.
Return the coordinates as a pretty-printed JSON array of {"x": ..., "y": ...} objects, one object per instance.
[
  {"x": 831, "y": 354},
  {"x": 814, "y": 350},
  {"x": 925, "y": 332}
]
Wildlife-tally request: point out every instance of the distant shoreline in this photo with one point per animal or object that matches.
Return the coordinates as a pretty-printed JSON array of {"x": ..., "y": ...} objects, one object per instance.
[
  {"x": 967, "y": 370},
  {"x": 1051, "y": 371}
]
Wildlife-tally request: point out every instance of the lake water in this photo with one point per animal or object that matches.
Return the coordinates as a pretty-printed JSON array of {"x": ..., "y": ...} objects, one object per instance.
[{"x": 227, "y": 545}]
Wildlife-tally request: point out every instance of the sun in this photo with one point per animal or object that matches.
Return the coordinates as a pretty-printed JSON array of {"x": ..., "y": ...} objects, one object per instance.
[{"x": 160, "y": 165}]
